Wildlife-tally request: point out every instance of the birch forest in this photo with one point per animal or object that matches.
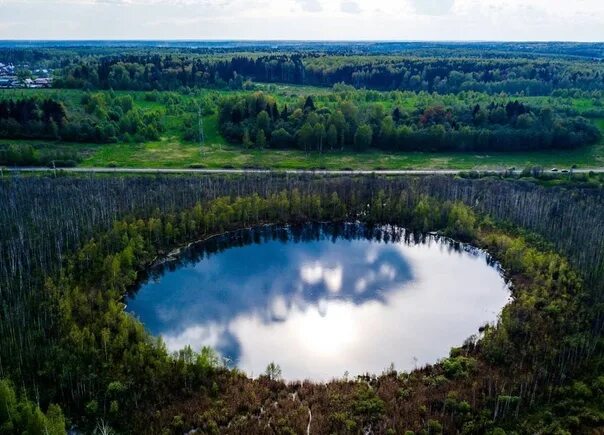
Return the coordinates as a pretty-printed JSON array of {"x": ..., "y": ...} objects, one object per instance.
[{"x": 72, "y": 247}]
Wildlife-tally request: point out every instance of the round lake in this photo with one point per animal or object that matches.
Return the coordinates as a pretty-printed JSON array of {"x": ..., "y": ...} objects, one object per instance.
[{"x": 322, "y": 300}]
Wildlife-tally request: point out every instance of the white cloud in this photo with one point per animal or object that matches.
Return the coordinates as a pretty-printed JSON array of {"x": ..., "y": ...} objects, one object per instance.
[
  {"x": 311, "y": 273},
  {"x": 314, "y": 273},
  {"x": 310, "y": 5},
  {"x": 321, "y": 19},
  {"x": 196, "y": 336},
  {"x": 350, "y": 7},
  {"x": 432, "y": 7},
  {"x": 333, "y": 279}
]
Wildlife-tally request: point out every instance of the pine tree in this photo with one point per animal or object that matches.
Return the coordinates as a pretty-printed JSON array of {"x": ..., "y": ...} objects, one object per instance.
[
  {"x": 261, "y": 139},
  {"x": 247, "y": 142},
  {"x": 332, "y": 136}
]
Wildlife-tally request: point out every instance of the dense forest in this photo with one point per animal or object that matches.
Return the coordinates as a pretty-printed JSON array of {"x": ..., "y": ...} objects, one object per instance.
[
  {"x": 33, "y": 51},
  {"x": 30, "y": 155},
  {"x": 66, "y": 337},
  {"x": 258, "y": 120},
  {"x": 19, "y": 415},
  {"x": 335, "y": 121},
  {"x": 443, "y": 75},
  {"x": 528, "y": 68},
  {"x": 99, "y": 118}
]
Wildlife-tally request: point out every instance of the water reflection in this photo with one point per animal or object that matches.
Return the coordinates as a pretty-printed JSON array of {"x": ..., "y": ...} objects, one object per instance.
[{"x": 322, "y": 299}]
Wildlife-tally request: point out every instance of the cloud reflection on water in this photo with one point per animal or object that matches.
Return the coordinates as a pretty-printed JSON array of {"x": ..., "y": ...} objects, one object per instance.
[{"x": 320, "y": 306}]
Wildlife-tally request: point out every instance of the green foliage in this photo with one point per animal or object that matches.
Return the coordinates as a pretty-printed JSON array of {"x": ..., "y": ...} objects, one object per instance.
[
  {"x": 534, "y": 69},
  {"x": 208, "y": 359},
  {"x": 368, "y": 406},
  {"x": 261, "y": 139},
  {"x": 99, "y": 118},
  {"x": 109, "y": 367},
  {"x": 28, "y": 155},
  {"x": 350, "y": 121},
  {"x": 434, "y": 427},
  {"x": 21, "y": 416},
  {"x": 461, "y": 222},
  {"x": 458, "y": 367},
  {"x": 363, "y": 137},
  {"x": 273, "y": 371}
]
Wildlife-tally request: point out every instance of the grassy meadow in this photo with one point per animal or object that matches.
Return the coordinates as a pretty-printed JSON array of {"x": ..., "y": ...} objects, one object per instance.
[{"x": 172, "y": 151}]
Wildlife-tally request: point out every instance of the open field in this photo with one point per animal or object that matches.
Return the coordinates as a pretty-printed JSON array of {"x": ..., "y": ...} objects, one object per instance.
[{"x": 171, "y": 151}]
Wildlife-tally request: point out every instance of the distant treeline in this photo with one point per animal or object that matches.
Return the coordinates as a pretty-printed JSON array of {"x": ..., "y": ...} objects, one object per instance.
[
  {"x": 98, "y": 118},
  {"x": 448, "y": 72},
  {"x": 258, "y": 120},
  {"x": 32, "y": 51}
]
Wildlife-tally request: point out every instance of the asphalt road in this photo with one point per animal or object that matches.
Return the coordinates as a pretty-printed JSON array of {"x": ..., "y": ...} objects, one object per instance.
[{"x": 289, "y": 171}]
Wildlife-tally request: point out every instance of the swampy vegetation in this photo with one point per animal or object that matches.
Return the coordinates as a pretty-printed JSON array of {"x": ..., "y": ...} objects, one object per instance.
[{"x": 67, "y": 340}]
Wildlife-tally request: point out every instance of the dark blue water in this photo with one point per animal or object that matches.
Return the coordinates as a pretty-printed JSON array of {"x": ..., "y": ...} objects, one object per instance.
[{"x": 322, "y": 300}]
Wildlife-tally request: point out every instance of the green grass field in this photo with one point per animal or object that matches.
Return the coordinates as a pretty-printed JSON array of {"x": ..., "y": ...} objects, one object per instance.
[{"x": 172, "y": 152}]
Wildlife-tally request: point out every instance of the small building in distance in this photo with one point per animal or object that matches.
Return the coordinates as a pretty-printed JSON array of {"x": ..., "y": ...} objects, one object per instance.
[
  {"x": 42, "y": 82},
  {"x": 6, "y": 82},
  {"x": 41, "y": 78}
]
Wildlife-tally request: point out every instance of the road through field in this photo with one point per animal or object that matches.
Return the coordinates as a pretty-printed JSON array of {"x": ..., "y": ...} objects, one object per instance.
[{"x": 289, "y": 171}]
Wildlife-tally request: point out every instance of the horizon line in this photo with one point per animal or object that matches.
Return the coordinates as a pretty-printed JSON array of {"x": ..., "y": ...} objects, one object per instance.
[{"x": 525, "y": 41}]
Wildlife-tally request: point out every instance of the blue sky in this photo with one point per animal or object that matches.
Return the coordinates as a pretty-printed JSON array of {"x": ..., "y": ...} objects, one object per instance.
[{"x": 577, "y": 20}]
